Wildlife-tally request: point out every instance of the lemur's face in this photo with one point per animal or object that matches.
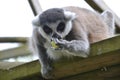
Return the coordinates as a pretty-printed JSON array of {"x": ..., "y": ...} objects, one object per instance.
[
  {"x": 54, "y": 30},
  {"x": 54, "y": 23}
]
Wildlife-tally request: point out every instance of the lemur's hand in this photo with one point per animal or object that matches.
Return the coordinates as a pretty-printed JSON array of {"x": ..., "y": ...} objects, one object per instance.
[
  {"x": 61, "y": 43},
  {"x": 58, "y": 44}
]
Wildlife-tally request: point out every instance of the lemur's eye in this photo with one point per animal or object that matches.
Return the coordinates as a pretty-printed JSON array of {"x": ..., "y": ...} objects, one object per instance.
[
  {"x": 61, "y": 27},
  {"x": 47, "y": 30}
]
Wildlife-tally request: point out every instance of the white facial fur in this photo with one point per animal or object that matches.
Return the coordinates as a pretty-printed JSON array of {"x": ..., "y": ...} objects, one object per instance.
[
  {"x": 68, "y": 28},
  {"x": 36, "y": 24},
  {"x": 35, "y": 21},
  {"x": 44, "y": 34},
  {"x": 70, "y": 16}
]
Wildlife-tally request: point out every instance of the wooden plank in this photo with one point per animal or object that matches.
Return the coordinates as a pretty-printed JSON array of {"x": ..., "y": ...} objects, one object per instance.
[
  {"x": 14, "y": 52},
  {"x": 111, "y": 73},
  {"x": 69, "y": 67},
  {"x": 105, "y": 46},
  {"x": 9, "y": 65},
  {"x": 94, "y": 5},
  {"x": 61, "y": 71},
  {"x": 13, "y": 39},
  {"x": 20, "y": 71},
  {"x": 100, "y": 6},
  {"x": 86, "y": 65}
]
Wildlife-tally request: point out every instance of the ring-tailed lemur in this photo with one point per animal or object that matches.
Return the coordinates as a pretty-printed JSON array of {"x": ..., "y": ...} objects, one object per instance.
[{"x": 68, "y": 32}]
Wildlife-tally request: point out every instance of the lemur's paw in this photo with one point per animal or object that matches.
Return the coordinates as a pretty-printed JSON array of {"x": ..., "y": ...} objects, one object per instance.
[{"x": 47, "y": 73}]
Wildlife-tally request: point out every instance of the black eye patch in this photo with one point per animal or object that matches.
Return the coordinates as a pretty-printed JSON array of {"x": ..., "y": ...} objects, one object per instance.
[
  {"x": 47, "y": 30},
  {"x": 61, "y": 27}
]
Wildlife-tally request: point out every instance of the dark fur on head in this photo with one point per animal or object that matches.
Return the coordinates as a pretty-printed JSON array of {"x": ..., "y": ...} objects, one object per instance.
[{"x": 51, "y": 16}]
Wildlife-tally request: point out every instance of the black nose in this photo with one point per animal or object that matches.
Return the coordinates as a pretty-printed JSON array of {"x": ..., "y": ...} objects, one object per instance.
[{"x": 55, "y": 35}]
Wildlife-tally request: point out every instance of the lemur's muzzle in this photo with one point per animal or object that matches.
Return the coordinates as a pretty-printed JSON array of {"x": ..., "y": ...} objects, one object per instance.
[{"x": 55, "y": 35}]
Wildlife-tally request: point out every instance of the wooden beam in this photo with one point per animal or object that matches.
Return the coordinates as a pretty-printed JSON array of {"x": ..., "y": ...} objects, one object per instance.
[
  {"x": 63, "y": 69},
  {"x": 9, "y": 65},
  {"x": 106, "y": 73},
  {"x": 35, "y": 6},
  {"x": 20, "y": 71},
  {"x": 100, "y": 6},
  {"x": 86, "y": 65},
  {"x": 14, "y": 52},
  {"x": 13, "y": 39},
  {"x": 96, "y": 6},
  {"x": 105, "y": 46},
  {"x": 109, "y": 73},
  {"x": 75, "y": 66}
]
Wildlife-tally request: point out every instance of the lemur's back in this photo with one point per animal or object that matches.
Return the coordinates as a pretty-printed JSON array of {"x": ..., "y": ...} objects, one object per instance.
[{"x": 92, "y": 23}]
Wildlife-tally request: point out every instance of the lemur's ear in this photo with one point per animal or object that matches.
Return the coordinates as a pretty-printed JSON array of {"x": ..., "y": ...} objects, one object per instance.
[
  {"x": 108, "y": 17},
  {"x": 36, "y": 21},
  {"x": 69, "y": 15}
]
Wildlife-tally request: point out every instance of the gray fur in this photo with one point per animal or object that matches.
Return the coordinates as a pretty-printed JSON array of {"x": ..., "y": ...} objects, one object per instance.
[{"x": 108, "y": 17}]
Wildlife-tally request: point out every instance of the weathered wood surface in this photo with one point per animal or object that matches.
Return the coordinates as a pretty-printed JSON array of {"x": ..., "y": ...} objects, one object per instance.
[
  {"x": 109, "y": 73},
  {"x": 9, "y": 65},
  {"x": 13, "y": 39},
  {"x": 14, "y": 52},
  {"x": 76, "y": 67}
]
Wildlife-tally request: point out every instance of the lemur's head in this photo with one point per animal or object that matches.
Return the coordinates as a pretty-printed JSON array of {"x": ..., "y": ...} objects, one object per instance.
[{"x": 54, "y": 23}]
